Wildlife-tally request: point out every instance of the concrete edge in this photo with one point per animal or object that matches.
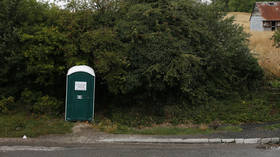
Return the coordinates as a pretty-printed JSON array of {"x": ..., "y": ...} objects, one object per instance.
[{"x": 192, "y": 141}]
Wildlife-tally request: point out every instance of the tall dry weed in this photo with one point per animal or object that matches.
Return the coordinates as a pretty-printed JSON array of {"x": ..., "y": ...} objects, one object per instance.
[
  {"x": 261, "y": 45},
  {"x": 267, "y": 54}
]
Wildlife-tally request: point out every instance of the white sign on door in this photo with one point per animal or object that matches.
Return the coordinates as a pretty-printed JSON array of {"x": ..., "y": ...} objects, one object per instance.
[{"x": 80, "y": 86}]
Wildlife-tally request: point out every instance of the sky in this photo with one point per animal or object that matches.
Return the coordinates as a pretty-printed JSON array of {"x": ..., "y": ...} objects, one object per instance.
[
  {"x": 59, "y": 3},
  {"x": 208, "y": 1}
]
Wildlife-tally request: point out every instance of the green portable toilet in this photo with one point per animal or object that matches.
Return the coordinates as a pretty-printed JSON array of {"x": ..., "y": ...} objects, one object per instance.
[{"x": 80, "y": 88}]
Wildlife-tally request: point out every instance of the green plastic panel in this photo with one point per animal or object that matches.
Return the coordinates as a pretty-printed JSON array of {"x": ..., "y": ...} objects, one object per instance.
[{"x": 80, "y": 97}]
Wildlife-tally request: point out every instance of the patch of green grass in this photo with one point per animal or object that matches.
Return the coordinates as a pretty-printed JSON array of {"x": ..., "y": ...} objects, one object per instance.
[
  {"x": 255, "y": 107},
  {"x": 272, "y": 127},
  {"x": 163, "y": 130},
  {"x": 173, "y": 131},
  {"x": 19, "y": 124},
  {"x": 230, "y": 128},
  {"x": 275, "y": 83}
]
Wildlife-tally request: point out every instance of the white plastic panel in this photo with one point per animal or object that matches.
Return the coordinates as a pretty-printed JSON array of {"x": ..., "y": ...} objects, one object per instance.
[{"x": 81, "y": 68}]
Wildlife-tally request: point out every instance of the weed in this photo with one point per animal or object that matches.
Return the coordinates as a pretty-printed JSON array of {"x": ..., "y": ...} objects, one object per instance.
[
  {"x": 203, "y": 127},
  {"x": 172, "y": 130},
  {"x": 253, "y": 108},
  {"x": 274, "y": 83},
  {"x": 5, "y": 103},
  {"x": 272, "y": 127},
  {"x": 230, "y": 128},
  {"x": 19, "y": 124},
  {"x": 261, "y": 44}
]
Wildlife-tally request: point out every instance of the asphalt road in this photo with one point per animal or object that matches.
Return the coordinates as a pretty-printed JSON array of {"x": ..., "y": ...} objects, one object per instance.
[{"x": 139, "y": 150}]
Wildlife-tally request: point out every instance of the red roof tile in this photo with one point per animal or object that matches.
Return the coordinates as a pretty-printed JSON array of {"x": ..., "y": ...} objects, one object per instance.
[{"x": 269, "y": 12}]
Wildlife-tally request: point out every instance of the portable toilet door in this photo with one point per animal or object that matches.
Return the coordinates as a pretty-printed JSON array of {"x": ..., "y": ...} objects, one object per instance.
[{"x": 80, "y": 88}]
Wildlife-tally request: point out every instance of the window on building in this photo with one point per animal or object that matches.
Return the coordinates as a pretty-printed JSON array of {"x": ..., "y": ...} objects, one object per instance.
[{"x": 266, "y": 24}]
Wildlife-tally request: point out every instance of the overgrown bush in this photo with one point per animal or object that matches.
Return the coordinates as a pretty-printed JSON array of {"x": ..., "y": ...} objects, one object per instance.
[
  {"x": 47, "y": 105},
  {"x": 35, "y": 102},
  {"x": 6, "y": 103},
  {"x": 185, "y": 53},
  {"x": 154, "y": 52},
  {"x": 28, "y": 98}
]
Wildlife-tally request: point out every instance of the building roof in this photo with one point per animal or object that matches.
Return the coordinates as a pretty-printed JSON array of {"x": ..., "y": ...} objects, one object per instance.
[
  {"x": 81, "y": 68},
  {"x": 269, "y": 10}
]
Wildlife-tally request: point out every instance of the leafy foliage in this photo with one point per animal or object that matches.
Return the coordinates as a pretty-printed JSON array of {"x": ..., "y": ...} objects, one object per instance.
[
  {"x": 6, "y": 103},
  {"x": 152, "y": 52},
  {"x": 183, "y": 52},
  {"x": 276, "y": 38},
  {"x": 47, "y": 105}
]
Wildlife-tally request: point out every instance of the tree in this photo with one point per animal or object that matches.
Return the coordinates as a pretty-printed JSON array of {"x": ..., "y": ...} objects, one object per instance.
[
  {"x": 16, "y": 16},
  {"x": 184, "y": 52},
  {"x": 152, "y": 52}
]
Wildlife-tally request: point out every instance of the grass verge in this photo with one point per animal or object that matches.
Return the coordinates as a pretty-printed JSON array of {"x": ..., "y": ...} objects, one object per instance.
[
  {"x": 175, "y": 130},
  {"x": 19, "y": 124},
  {"x": 257, "y": 107},
  {"x": 165, "y": 130},
  {"x": 272, "y": 127}
]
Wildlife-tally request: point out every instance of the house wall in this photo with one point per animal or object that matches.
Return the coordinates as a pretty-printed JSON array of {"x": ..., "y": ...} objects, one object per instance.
[
  {"x": 256, "y": 21},
  {"x": 256, "y": 24}
]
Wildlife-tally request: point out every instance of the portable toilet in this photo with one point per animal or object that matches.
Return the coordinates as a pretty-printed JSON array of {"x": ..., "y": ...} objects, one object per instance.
[{"x": 80, "y": 89}]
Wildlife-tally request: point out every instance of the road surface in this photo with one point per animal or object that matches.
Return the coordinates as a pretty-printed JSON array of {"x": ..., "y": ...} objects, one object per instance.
[{"x": 139, "y": 150}]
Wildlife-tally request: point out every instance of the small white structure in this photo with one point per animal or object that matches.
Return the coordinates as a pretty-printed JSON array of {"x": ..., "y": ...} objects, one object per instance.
[
  {"x": 265, "y": 16},
  {"x": 81, "y": 68},
  {"x": 24, "y": 137}
]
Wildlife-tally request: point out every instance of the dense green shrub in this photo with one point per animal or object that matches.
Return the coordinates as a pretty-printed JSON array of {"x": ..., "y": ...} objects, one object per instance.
[
  {"x": 35, "y": 102},
  {"x": 47, "y": 105},
  {"x": 184, "y": 52},
  {"x": 6, "y": 103},
  {"x": 29, "y": 97},
  {"x": 145, "y": 53}
]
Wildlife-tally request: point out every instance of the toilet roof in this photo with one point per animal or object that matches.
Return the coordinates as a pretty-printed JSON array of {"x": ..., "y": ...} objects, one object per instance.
[{"x": 81, "y": 68}]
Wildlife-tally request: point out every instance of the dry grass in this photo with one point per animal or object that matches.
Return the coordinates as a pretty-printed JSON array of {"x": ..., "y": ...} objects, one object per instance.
[
  {"x": 203, "y": 126},
  {"x": 241, "y": 19},
  {"x": 260, "y": 44}
]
